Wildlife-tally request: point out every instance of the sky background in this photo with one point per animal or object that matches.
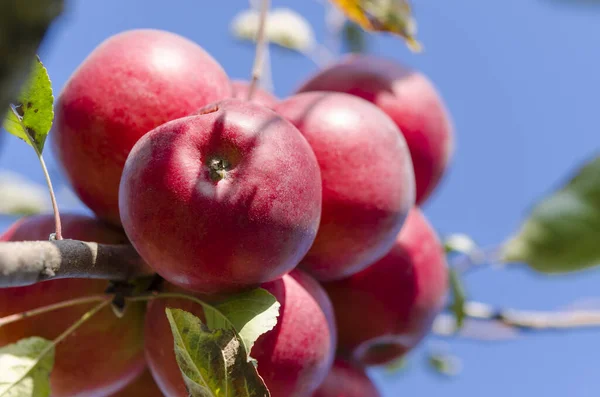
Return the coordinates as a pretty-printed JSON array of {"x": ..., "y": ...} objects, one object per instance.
[{"x": 521, "y": 80}]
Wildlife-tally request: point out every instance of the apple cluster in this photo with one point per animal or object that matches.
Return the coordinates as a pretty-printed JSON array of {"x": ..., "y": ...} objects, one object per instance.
[{"x": 314, "y": 197}]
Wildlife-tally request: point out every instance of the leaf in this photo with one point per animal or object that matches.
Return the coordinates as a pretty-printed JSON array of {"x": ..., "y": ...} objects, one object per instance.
[
  {"x": 30, "y": 119},
  {"x": 213, "y": 362},
  {"x": 354, "y": 38},
  {"x": 444, "y": 364},
  {"x": 22, "y": 372},
  {"x": 284, "y": 27},
  {"x": 390, "y": 16},
  {"x": 562, "y": 233},
  {"x": 252, "y": 313},
  {"x": 459, "y": 298}
]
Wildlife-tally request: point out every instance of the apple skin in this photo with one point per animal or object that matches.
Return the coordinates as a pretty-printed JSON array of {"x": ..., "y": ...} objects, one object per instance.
[
  {"x": 409, "y": 98},
  {"x": 347, "y": 380},
  {"x": 223, "y": 200},
  {"x": 387, "y": 309},
  {"x": 106, "y": 352},
  {"x": 143, "y": 386},
  {"x": 367, "y": 176},
  {"x": 131, "y": 83},
  {"x": 293, "y": 358},
  {"x": 261, "y": 96}
]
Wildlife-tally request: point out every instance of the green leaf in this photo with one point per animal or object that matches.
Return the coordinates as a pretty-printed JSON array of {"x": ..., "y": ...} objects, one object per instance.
[
  {"x": 31, "y": 117},
  {"x": 444, "y": 364},
  {"x": 354, "y": 37},
  {"x": 23, "y": 373},
  {"x": 459, "y": 298},
  {"x": 252, "y": 313},
  {"x": 213, "y": 362},
  {"x": 562, "y": 233}
]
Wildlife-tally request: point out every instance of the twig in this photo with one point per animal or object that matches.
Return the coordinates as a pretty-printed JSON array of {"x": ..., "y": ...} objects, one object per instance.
[
  {"x": 513, "y": 321},
  {"x": 25, "y": 263},
  {"x": 261, "y": 43}
]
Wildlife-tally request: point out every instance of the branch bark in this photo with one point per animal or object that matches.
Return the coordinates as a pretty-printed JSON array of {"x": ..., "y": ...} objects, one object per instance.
[
  {"x": 23, "y": 26},
  {"x": 29, "y": 262}
]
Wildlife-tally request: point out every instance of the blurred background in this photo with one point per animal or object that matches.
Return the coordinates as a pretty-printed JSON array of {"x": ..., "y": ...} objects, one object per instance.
[{"x": 521, "y": 80}]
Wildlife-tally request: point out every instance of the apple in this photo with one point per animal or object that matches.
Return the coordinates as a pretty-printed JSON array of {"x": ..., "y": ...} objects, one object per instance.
[
  {"x": 106, "y": 352},
  {"x": 222, "y": 200},
  {"x": 387, "y": 309},
  {"x": 346, "y": 380},
  {"x": 409, "y": 98},
  {"x": 261, "y": 96},
  {"x": 131, "y": 83},
  {"x": 143, "y": 386},
  {"x": 367, "y": 177},
  {"x": 293, "y": 358}
]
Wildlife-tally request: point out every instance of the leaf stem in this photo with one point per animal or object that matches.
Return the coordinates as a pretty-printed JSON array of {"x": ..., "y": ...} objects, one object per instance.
[
  {"x": 261, "y": 43},
  {"x": 60, "y": 338},
  {"x": 56, "y": 306},
  {"x": 58, "y": 227}
]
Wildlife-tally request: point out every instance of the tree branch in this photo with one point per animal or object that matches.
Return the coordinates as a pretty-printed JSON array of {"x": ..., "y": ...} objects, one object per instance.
[
  {"x": 507, "y": 323},
  {"x": 28, "y": 262},
  {"x": 23, "y": 26}
]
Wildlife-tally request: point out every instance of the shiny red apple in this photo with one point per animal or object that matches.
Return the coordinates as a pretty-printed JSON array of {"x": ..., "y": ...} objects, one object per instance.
[
  {"x": 143, "y": 386},
  {"x": 347, "y": 380},
  {"x": 131, "y": 83},
  {"x": 293, "y": 358},
  {"x": 409, "y": 98},
  {"x": 367, "y": 176},
  {"x": 222, "y": 200},
  {"x": 387, "y": 309},
  {"x": 106, "y": 352}
]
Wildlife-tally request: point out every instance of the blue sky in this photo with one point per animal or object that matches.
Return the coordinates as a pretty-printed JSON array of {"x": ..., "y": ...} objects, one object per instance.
[{"x": 521, "y": 80}]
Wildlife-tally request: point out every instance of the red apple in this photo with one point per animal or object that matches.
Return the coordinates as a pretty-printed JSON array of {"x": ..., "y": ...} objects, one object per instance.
[
  {"x": 222, "y": 200},
  {"x": 130, "y": 84},
  {"x": 106, "y": 352},
  {"x": 367, "y": 176},
  {"x": 409, "y": 98},
  {"x": 346, "y": 380},
  {"x": 262, "y": 97},
  {"x": 387, "y": 309},
  {"x": 293, "y": 358},
  {"x": 143, "y": 386}
]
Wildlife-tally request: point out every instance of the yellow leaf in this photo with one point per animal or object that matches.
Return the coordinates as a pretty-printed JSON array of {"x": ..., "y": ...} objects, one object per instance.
[{"x": 390, "y": 16}]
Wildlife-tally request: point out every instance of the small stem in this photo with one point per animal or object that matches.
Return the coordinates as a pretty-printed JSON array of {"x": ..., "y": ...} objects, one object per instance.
[
  {"x": 60, "y": 338},
  {"x": 58, "y": 227},
  {"x": 45, "y": 309},
  {"x": 260, "y": 48}
]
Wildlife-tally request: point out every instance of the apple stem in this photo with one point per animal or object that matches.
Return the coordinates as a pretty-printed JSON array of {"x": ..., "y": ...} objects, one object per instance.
[
  {"x": 57, "y": 223},
  {"x": 261, "y": 44},
  {"x": 45, "y": 309}
]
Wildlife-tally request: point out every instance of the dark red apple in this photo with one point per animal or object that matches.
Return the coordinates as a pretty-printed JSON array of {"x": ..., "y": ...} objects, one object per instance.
[
  {"x": 409, "y": 98},
  {"x": 293, "y": 358},
  {"x": 222, "y": 200},
  {"x": 106, "y": 352},
  {"x": 367, "y": 175},
  {"x": 143, "y": 386},
  {"x": 347, "y": 380},
  {"x": 131, "y": 83},
  {"x": 262, "y": 97},
  {"x": 387, "y": 309}
]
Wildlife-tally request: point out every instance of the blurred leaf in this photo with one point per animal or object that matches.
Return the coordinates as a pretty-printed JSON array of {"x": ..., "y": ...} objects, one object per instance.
[
  {"x": 390, "y": 16},
  {"x": 354, "y": 38},
  {"x": 23, "y": 373},
  {"x": 252, "y": 313},
  {"x": 562, "y": 233},
  {"x": 20, "y": 197},
  {"x": 284, "y": 27},
  {"x": 23, "y": 26},
  {"x": 397, "y": 366},
  {"x": 444, "y": 364},
  {"x": 213, "y": 362},
  {"x": 30, "y": 118},
  {"x": 458, "y": 298}
]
